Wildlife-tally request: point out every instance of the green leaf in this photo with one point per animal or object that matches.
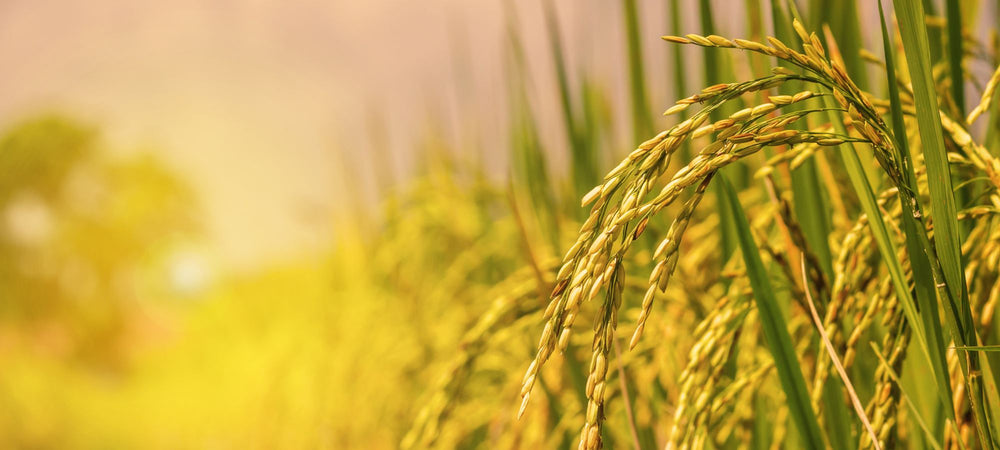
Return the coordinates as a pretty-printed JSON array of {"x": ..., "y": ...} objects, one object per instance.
[
  {"x": 679, "y": 75},
  {"x": 954, "y": 11},
  {"x": 910, "y": 15},
  {"x": 979, "y": 348},
  {"x": 947, "y": 237},
  {"x": 642, "y": 125},
  {"x": 775, "y": 327},
  {"x": 917, "y": 243}
]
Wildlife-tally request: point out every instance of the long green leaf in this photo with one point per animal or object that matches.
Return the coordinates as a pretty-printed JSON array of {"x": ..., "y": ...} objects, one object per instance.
[
  {"x": 898, "y": 124},
  {"x": 775, "y": 327},
  {"x": 919, "y": 254},
  {"x": 954, "y": 10},
  {"x": 935, "y": 37},
  {"x": 947, "y": 237},
  {"x": 910, "y": 15},
  {"x": 642, "y": 125},
  {"x": 979, "y": 348},
  {"x": 955, "y": 53},
  {"x": 679, "y": 75}
]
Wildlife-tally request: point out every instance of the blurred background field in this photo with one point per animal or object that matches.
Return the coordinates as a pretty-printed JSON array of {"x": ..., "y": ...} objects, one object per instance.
[{"x": 260, "y": 224}]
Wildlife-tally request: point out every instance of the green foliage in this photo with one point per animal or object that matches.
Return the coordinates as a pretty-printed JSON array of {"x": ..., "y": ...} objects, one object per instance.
[{"x": 775, "y": 328}]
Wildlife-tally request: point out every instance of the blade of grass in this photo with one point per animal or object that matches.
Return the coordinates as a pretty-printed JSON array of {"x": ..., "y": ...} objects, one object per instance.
[
  {"x": 947, "y": 237},
  {"x": 642, "y": 125},
  {"x": 933, "y": 34},
  {"x": 948, "y": 242},
  {"x": 898, "y": 125},
  {"x": 763, "y": 426},
  {"x": 679, "y": 75},
  {"x": 775, "y": 327},
  {"x": 924, "y": 286},
  {"x": 954, "y": 11}
]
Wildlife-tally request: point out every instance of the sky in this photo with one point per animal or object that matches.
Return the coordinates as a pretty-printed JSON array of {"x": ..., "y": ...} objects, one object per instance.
[
  {"x": 258, "y": 102},
  {"x": 250, "y": 100},
  {"x": 255, "y": 102}
]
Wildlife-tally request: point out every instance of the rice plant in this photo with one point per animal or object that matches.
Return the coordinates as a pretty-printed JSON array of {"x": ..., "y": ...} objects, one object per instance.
[
  {"x": 803, "y": 252},
  {"x": 842, "y": 296}
]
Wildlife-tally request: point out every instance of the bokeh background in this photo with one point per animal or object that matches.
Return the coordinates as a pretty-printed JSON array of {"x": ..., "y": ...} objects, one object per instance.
[
  {"x": 256, "y": 101},
  {"x": 263, "y": 224}
]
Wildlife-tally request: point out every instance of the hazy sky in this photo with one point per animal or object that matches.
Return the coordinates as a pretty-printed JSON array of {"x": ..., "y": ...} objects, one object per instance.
[
  {"x": 251, "y": 99},
  {"x": 239, "y": 96},
  {"x": 258, "y": 101}
]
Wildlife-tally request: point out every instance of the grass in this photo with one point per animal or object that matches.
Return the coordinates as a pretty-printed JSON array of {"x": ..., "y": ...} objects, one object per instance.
[
  {"x": 780, "y": 262},
  {"x": 924, "y": 268},
  {"x": 859, "y": 311}
]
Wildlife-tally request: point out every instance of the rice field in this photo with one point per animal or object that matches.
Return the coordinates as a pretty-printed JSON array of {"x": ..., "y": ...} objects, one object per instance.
[{"x": 802, "y": 251}]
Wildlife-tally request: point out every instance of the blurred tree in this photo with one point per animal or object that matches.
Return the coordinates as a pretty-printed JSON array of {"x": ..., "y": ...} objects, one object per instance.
[{"x": 76, "y": 230}]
